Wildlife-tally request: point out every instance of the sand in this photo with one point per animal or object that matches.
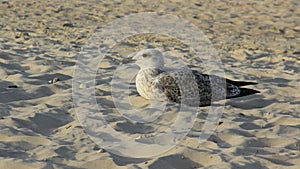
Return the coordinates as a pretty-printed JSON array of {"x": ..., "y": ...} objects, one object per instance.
[{"x": 40, "y": 40}]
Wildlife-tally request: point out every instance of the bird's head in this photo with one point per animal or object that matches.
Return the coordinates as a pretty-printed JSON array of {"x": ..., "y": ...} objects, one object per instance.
[{"x": 149, "y": 58}]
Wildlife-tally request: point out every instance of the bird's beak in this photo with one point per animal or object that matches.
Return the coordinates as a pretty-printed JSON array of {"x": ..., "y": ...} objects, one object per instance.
[{"x": 128, "y": 60}]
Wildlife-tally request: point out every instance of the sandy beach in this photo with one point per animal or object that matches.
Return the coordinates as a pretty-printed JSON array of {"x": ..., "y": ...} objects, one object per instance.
[{"x": 40, "y": 42}]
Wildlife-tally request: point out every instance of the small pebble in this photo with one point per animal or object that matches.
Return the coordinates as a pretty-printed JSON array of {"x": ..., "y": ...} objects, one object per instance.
[
  {"x": 81, "y": 86},
  {"x": 242, "y": 114},
  {"x": 54, "y": 80},
  {"x": 198, "y": 4},
  {"x": 195, "y": 17},
  {"x": 68, "y": 25},
  {"x": 101, "y": 150}
]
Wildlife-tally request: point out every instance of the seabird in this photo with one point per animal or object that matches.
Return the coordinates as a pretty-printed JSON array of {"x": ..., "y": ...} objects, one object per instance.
[{"x": 153, "y": 81}]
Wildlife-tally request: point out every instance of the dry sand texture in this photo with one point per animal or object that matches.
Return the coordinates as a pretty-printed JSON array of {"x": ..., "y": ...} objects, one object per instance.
[{"x": 40, "y": 40}]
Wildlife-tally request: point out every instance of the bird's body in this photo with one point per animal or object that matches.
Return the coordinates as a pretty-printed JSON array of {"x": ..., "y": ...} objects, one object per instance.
[{"x": 187, "y": 86}]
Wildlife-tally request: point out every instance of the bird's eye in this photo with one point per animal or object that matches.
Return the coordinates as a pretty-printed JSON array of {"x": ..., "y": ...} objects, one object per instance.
[{"x": 144, "y": 55}]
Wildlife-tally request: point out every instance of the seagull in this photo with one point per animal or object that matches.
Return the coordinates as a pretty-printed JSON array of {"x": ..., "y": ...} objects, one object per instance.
[{"x": 193, "y": 88}]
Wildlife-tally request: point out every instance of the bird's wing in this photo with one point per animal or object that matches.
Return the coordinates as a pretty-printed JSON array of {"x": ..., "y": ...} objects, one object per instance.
[
  {"x": 194, "y": 86},
  {"x": 167, "y": 86},
  {"x": 178, "y": 86}
]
